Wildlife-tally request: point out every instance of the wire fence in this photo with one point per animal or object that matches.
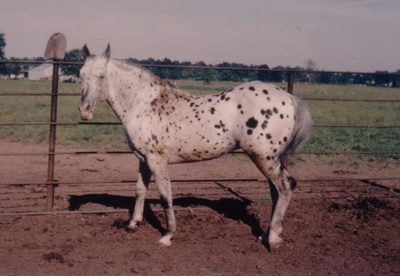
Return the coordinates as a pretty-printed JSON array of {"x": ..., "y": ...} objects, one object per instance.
[{"x": 50, "y": 183}]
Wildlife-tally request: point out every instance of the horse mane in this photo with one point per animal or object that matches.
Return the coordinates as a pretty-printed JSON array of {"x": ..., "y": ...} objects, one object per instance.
[{"x": 126, "y": 65}]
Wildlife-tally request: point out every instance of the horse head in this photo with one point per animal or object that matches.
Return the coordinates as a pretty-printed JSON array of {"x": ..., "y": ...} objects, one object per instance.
[{"x": 93, "y": 81}]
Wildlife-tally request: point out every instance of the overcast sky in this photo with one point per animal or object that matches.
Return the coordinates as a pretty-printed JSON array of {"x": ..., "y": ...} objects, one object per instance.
[{"x": 350, "y": 35}]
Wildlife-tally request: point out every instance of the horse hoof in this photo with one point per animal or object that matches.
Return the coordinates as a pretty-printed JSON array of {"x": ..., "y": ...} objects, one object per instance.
[
  {"x": 165, "y": 241},
  {"x": 130, "y": 230},
  {"x": 132, "y": 227},
  {"x": 275, "y": 245}
]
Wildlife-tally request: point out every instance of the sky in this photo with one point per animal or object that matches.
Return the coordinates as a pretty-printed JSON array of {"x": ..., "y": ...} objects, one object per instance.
[{"x": 342, "y": 35}]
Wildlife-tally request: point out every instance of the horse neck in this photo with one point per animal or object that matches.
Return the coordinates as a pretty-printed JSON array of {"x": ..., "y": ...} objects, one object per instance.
[{"x": 131, "y": 89}]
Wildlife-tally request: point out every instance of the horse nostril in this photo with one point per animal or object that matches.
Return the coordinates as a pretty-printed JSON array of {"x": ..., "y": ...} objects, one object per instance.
[{"x": 88, "y": 107}]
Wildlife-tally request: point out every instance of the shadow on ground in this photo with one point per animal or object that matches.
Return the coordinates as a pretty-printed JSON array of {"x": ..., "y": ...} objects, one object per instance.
[{"x": 236, "y": 209}]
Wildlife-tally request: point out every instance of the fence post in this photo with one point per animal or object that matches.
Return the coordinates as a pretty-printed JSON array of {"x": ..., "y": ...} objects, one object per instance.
[
  {"x": 52, "y": 137},
  {"x": 55, "y": 49},
  {"x": 285, "y": 156},
  {"x": 290, "y": 82}
]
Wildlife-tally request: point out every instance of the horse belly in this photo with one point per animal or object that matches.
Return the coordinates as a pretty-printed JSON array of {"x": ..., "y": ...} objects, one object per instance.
[{"x": 204, "y": 137}]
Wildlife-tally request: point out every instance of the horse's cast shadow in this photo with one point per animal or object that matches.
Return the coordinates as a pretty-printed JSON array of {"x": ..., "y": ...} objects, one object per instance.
[{"x": 231, "y": 208}]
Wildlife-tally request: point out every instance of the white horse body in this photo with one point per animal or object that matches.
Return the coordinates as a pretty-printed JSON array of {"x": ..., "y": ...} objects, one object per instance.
[{"x": 166, "y": 125}]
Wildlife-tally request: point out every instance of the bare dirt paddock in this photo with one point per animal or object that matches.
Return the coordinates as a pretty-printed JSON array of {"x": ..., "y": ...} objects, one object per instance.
[{"x": 331, "y": 228}]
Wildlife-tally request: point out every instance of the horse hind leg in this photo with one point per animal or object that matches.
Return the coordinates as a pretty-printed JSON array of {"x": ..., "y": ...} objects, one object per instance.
[{"x": 282, "y": 186}]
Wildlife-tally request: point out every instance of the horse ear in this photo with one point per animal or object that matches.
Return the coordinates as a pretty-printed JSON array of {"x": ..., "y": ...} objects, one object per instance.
[
  {"x": 85, "y": 52},
  {"x": 107, "y": 52}
]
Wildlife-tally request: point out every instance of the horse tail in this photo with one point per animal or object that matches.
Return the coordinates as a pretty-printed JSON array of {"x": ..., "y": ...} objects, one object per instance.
[{"x": 302, "y": 127}]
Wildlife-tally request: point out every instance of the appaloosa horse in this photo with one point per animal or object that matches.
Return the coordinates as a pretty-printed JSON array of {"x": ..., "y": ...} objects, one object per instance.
[{"x": 166, "y": 125}]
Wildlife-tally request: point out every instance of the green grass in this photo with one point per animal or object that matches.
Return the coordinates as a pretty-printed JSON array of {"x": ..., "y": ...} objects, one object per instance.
[{"x": 33, "y": 109}]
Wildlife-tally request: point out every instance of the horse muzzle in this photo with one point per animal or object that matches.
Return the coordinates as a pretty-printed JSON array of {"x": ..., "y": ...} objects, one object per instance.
[{"x": 85, "y": 112}]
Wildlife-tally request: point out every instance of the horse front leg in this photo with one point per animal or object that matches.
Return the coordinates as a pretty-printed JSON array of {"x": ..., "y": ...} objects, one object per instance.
[
  {"x": 159, "y": 169},
  {"x": 142, "y": 186}
]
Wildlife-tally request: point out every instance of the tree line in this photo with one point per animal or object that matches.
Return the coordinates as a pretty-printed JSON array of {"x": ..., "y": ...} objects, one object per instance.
[{"x": 235, "y": 72}]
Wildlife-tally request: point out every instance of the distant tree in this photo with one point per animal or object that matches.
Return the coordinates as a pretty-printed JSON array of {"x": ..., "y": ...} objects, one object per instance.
[
  {"x": 310, "y": 65},
  {"x": 239, "y": 75},
  {"x": 13, "y": 68},
  {"x": 325, "y": 78},
  {"x": 278, "y": 76},
  {"x": 2, "y": 53},
  {"x": 74, "y": 55},
  {"x": 224, "y": 75},
  {"x": 382, "y": 78},
  {"x": 209, "y": 76},
  {"x": 2, "y": 46},
  {"x": 343, "y": 78},
  {"x": 396, "y": 79},
  {"x": 186, "y": 73},
  {"x": 358, "y": 79},
  {"x": 263, "y": 75},
  {"x": 198, "y": 73}
]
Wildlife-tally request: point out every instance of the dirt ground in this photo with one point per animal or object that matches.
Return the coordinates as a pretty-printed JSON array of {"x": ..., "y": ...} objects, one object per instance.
[{"x": 331, "y": 228}]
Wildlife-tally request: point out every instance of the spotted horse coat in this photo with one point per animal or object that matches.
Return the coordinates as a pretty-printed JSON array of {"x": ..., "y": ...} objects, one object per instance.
[{"x": 167, "y": 125}]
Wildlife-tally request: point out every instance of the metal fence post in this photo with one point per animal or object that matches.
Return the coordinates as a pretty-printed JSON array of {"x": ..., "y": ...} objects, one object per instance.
[
  {"x": 285, "y": 156},
  {"x": 55, "y": 49},
  {"x": 52, "y": 138}
]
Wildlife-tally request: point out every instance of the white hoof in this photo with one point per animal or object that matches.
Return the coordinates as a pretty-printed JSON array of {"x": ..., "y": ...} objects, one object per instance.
[
  {"x": 165, "y": 241},
  {"x": 133, "y": 225},
  {"x": 274, "y": 241}
]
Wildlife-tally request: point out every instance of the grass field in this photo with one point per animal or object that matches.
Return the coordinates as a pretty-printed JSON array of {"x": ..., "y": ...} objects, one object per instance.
[{"x": 348, "y": 113}]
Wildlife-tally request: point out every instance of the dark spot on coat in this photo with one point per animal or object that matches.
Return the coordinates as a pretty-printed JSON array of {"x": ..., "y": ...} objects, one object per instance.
[
  {"x": 239, "y": 106},
  {"x": 265, "y": 91},
  {"x": 268, "y": 136},
  {"x": 275, "y": 110},
  {"x": 212, "y": 110},
  {"x": 264, "y": 125},
  {"x": 249, "y": 132},
  {"x": 153, "y": 102},
  {"x": 154, "y": 138},
  {"x": 251, "y": 88},
  {"x": 252, "y": 123},
  {"x": 283, "y": 103}
]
